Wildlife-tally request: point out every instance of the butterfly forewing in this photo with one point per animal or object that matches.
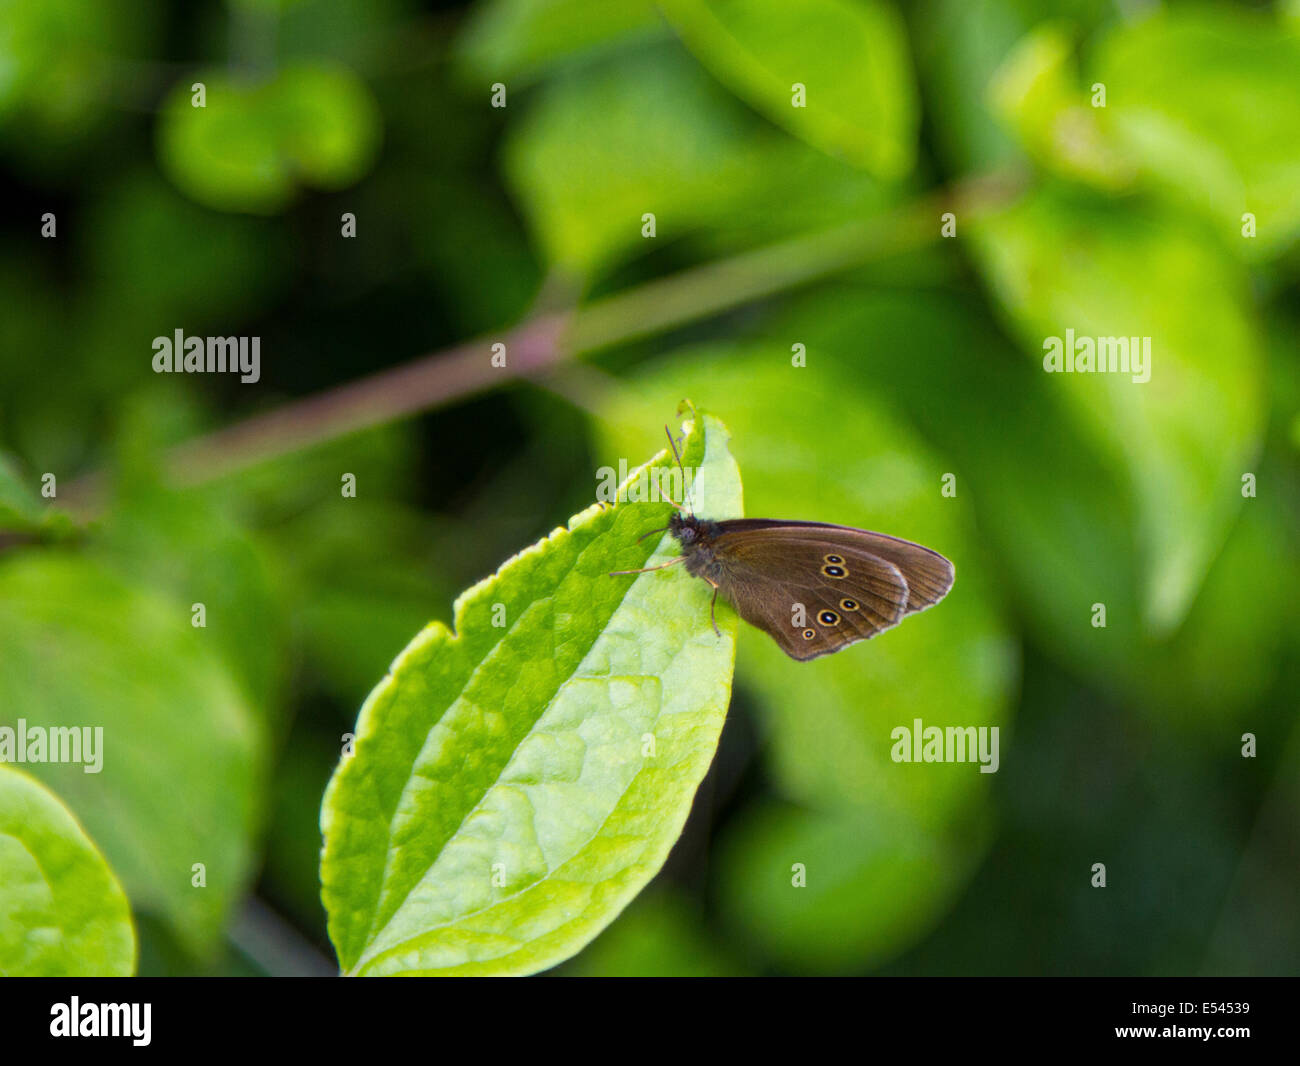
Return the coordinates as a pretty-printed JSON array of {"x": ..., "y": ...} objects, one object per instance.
[
  {"x": 814, "y": 595},
  {"x": 813, "y": 587},
  {"x": 928, "y": 574}
]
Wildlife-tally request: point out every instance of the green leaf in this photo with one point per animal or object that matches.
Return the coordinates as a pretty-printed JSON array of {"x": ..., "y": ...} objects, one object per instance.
[
  {"x": 56, "y": 61},
  {"x": 1207, "y": 101},
  {"x": 500, "y": 808},
  {"x": 186, "y": 545},
  {"x": 963, "y": 45},
  {"x": 1069, "y": 513},
  {"x": 516, "y": 41},
  {"x": 1036, "y": 90},
  {"x": 253, "y": 143},
  {"x": 1101, "y": 268},
  {"x": 1177, "y": 85},
  {"x": 193, "y": 545},
  {"x": 62, "y": 912},
  {"x": 850, "y": 55},
  {"x": 869, "y": 887},
  {"x": 602, "y": 147},
  {"x": 179, "y": 779}
]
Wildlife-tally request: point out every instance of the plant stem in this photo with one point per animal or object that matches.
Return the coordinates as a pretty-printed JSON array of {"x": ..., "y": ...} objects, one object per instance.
[{"x": 542, "y": 342}]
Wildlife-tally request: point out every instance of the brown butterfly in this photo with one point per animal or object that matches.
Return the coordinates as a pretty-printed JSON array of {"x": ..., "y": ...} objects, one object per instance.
[{"x": 813, "y": 587}]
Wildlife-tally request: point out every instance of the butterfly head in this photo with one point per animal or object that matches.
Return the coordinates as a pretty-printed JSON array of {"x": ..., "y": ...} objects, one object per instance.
[
  {"x": 686, "y": 528},
  {"x": 691, "y": 532}
]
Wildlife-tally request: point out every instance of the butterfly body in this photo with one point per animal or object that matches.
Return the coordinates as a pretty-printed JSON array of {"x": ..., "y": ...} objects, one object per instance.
[{"x": 813, "y": 587}]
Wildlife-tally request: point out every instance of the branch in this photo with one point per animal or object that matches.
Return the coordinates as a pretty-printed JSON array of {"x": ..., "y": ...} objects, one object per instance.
[{"x": 540, "y": 343}]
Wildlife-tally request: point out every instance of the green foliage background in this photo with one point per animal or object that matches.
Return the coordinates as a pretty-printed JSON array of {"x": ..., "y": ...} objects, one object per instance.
[{"x": 815, "y": 226}]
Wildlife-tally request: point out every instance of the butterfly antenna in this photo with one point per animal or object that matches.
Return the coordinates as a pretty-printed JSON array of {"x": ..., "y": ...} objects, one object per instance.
[{"x": 677, "y": 455}]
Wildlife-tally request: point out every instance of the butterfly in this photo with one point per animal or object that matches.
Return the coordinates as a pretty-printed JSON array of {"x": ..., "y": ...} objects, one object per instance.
[{"x": 813, "y": 587}]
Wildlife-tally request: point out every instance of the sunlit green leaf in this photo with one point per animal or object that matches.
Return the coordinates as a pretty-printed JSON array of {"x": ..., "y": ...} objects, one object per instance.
[
  {"x": 850, "y": 56},
  {"x": 601, "y": 148},
  {"x": 516, "y": 782},
  {"x": 1207, "y": 101},
  {"x": 1037, "y": 90},
  {"x": 62, "y": 912}
]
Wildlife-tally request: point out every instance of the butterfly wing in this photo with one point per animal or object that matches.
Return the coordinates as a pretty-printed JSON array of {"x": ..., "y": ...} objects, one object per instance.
[
  {"x": 928, "y": 574},
  {"x": 850, "y": 583}
]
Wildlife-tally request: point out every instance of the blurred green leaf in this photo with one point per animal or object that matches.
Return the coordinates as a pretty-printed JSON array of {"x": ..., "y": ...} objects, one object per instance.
[
  {"x": 659, "y": 935},
  {"x": 330, "y": 124},
  {"x": 1177, "y": 85},
  {"x": 20, "y": 507},
  {"x": 254, "y": 142},
  {"x": 602, "y": 147},
  {"x": 56, "y": 62},
  {"x": 851, "y": 56},
  {"x": 62, "y": 912},
  {"x": 1068, "y": 513},
  {"x": 185, "y": 545},
  {"x": 1106, "y": 269},
  {"x": 516, "y": 41},
  {"x": 179, "y": 782},
  {"x": 961, "y": 47},
  {"x": 1036, "y": 89},
  {"x": 351, "y": 31},
  {"x": 870, "y": 887},
  {"x": 194, "y": 546},
  {"x": 1214, "y": 671},
  {"x": 494, "y": 819},
  {"x": 1207, "y": 101}
]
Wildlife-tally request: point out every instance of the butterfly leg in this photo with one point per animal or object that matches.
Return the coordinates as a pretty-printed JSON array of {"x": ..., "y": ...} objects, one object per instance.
[
  {"x": 713, "y": 615},
  {"x": 648, "y": 569}
]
